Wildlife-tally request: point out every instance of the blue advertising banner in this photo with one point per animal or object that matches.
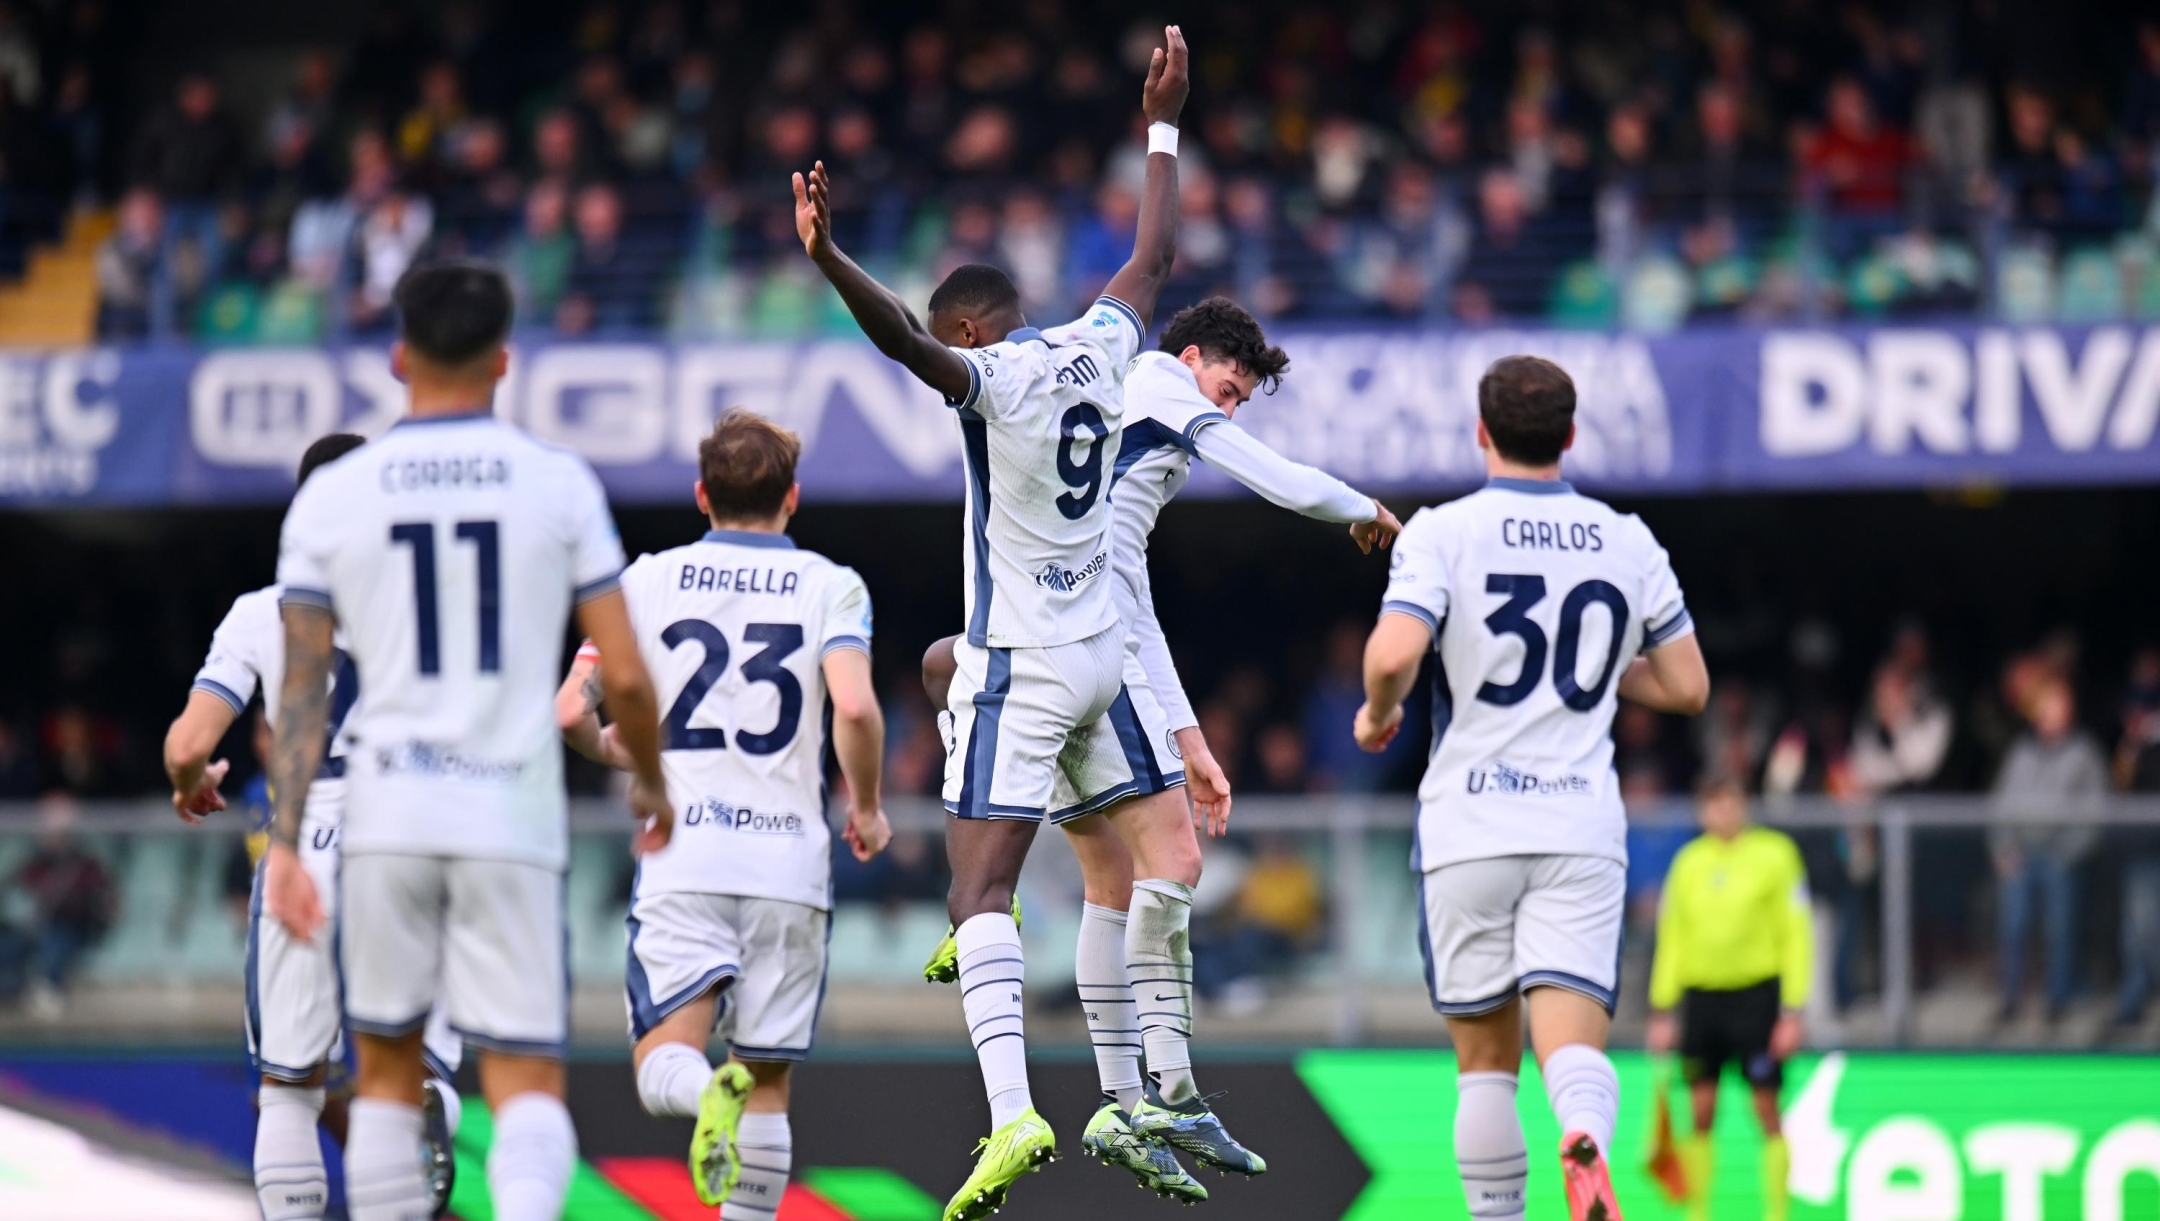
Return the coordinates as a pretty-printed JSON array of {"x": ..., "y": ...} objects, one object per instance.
[{"x": 1699, "y": 411}]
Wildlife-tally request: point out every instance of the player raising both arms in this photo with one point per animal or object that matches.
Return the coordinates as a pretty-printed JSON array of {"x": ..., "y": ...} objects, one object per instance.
[
  {"x": 294, "y": 1028},
  {"x": 451, "y": 551},
  {"x": 739, "y": 902},
  {"x": 1134, "y": 960},
  {"x": 1535, "y": 603},
  {"x": 1040, "y": 417}
]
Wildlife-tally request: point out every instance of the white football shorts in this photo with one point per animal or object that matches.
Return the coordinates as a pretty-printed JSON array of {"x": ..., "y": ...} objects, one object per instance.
[
  {"x": 767, "y": 957},
  {"x": 1129, "y": 751},
  {"x": 293, "y": 1019},
  {"x": 485, "y": 938},
  {"x": 1497, "y": 927}
]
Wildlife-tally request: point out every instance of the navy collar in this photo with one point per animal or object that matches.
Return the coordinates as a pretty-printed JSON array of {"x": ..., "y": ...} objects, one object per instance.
[
  {"x": 461, "y": 417},
  {"x": 1026, "y": 334},
  {"x": 1531, "y": 487},
  {"x": 750, "y": 538}
]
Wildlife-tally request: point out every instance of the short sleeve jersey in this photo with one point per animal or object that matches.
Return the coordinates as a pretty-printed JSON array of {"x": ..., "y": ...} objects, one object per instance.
[
  {"x": 735, "y": 629},
  {"x": 451, "y": 551},
  {"x": 1040, "y": 427},
  {"x": 1538, "y": 599},
  {"x": 247, "y": 655}
]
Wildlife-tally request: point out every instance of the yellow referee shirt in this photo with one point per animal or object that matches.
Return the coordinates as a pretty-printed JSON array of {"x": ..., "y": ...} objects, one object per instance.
[{"x": 1734, "y": 913}]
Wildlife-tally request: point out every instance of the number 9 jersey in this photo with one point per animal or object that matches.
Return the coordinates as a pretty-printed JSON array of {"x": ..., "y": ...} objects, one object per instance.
[
  {"x": 1538, "y": 599},
  {"x": 735, "y": 629}
]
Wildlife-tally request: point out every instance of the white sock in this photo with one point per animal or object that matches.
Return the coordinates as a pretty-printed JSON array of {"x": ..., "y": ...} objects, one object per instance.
[
  {"x": 529, "y": 1168},
  {"x": 992, "y": 976},
  {"x": 1106, "y": 997},
  {"x": 383, "y": 1151},
  {"x": 1489, "y": 1149},
  {"x": 767, "y": 1147},
  {"x": 290, "y": 1180},
  {"x": 1158, "y": 965},
  {"x": 1585, "y": 1092},
  {"x": 671, "y": 1078}
]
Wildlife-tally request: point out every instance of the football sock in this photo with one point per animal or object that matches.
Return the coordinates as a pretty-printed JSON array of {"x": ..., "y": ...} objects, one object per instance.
[
  {"x": 1701, "y": 1170},
  {"x": 1585, "y": 1093},
  {"x": 383, "y": 1178},
  {"x": 1158, "y": 964},
  {"x": 767, "y": 1147},
  {"x": 992, "y": 976},
  {"x": 1107, "y": 999},
  {"x": 290, "y": 1181},
  {"x": 535, "y": 1151},
  {"x": 1776, "y": 1172},
  {"x": 671, "y": 1078},
  {"x": 1489, "y": 1149}
]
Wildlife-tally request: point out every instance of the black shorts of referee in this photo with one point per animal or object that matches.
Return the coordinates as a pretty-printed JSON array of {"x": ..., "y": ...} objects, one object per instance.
[{"x": 1721, "y": 1027}]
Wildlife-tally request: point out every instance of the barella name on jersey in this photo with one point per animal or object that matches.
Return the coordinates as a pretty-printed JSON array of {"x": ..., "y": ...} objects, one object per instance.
[
  {"x": 1498, "y": 777},
  {"x": 738, "y": 580},
  {"x": 713, "y": 812},
  {"x": 1065, "y": 580}
]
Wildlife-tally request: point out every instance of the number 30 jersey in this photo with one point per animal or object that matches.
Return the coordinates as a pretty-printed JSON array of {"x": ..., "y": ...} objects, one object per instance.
[
  {"x": 1039, "y": 429},
  {"x": 735, "y": 629},
  {"x": 451, "y": 551},
  {"x": 1538, "y": 599}
]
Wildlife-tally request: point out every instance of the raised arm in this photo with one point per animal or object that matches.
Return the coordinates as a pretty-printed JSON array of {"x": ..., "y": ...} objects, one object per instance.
[
  {"x": 1140, "y": 282},
  {"x": 194, "y": 734},
  {"x": 885, "y": 318}
]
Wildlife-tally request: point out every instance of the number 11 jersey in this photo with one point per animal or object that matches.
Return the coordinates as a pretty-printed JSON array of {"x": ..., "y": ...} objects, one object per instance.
[
  {"x": 735, "y": 629},
  {"x": 1538, "y": 599}
]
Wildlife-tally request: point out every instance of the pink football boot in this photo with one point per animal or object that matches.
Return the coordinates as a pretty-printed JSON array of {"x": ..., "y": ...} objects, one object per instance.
[{"x": 1589, "y": 1185}]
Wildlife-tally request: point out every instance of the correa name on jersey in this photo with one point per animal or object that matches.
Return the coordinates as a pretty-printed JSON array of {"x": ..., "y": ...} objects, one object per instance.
[
  {"x": 746, "y": 580},
  {"x": 431, "y": 473}
]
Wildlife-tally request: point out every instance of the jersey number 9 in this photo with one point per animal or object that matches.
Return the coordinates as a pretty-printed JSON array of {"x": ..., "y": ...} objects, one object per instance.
[{"x": 1083, "y": 475}]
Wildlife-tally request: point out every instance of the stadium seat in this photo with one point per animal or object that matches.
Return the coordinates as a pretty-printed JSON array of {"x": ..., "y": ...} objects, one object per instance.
[
  {"x": 2092, "y": 287},
  {"x": 1657, "y": 295},
  {"x": 879, "y": 945},
  {"x": 2025, "y": 285},
  {"x": 1584, "y": 297}
]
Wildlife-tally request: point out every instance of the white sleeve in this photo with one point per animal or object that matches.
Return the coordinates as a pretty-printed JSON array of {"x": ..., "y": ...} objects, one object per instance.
[
  {"x": 1665, "y": 612},
  {"x": 305, "y": 544},
  {"x": 1153, "y": 649},
  {"x": 1418, "y": 584},
  {"x": 847, "y": 612},
  {"x": 1293, "y": 485},
  {"x": 596, "y": 554},
  {"x": 234, "y": 668}
]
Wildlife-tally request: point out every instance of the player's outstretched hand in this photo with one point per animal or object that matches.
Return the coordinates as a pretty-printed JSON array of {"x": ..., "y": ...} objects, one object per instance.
[
  {"x": 1373, "y": 732},
  {"x": 1380, "y": 530},
  {"x": 289, "y": 893},
  {"x": 1168, "y": 79},
  {"x": 1210, "y": 790},
  {"x": 205, "y": 798},
  {"x": 867, "y": 832},
  {"x": 655, "y": 817},
  {"x": 813, "y": 211}
]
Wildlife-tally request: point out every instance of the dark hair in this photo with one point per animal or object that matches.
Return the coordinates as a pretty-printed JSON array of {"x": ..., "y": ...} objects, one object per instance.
[
  {"x": 747, "y": 464},
  {"x": 973, "y": 289},
  {"x": 1223, "y": 330},
  {"x": 1528, "y": 405},
  {"x": 453, "y": 313},
  {"x": 327, "y": 449}
]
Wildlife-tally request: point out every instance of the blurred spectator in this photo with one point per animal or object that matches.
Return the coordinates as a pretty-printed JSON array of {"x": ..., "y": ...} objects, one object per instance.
[
  {"x": 131, "y": 267},
  {"x": 72, "y": 906},
  {"x": 1859, "y": 164},
  {"x": 1278, "y": 913},
  {"x": 1279, "y": 753},
  {"x": 1332, "y": 755},
  {"x": 1511, "y": 262},
  {"x": 191, "y": 154},
  {"x": 2049, "y": 767},
  {"x": 322, "y": 240},
  {"x": 538, "y": 258},
  {"x": 85, "y": 755},
  {"x": 18, "y": 763},
  {"x": 2137, "y": 770},
  {"x": 1903, "y": 737},
  {"x": 391, "y": 237},
  {"x": 602, "y": 294}
]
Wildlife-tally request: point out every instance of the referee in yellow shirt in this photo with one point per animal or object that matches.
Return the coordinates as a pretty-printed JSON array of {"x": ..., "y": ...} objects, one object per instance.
[{"x": 1735, "y": 955}]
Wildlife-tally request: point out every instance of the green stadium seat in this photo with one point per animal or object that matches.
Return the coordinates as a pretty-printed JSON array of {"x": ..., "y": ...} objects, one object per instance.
[
  {"x": 872, "y": 944},
  {"x": 228, "y": 316},
  {"x": 1872, "y": 285},
  {"x": 1657, "y": 295},
  {"x": 1584, "y": 297},
  {"x": 2092, "y": 287},
  {"x": 2137, "y": 255},
  {"x": 2025, "y": 285}
]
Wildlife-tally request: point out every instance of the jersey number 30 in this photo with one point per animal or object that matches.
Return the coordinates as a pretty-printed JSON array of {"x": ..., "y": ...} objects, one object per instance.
[
  {"x": 1513, "y": 619},
  {"x": 780, "y": 641}
]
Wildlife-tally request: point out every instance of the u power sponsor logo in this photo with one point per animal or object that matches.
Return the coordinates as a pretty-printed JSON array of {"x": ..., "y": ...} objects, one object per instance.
[
  {"x": 713, "y": 812},
  {"x": 1498, "y": 777},
  {"x": 1056, "y": 576}
]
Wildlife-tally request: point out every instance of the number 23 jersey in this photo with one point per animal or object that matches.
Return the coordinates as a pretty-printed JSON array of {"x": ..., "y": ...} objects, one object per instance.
[
  {"x": 735, "y": 629},
  {"x": 1538, "y": 599}
]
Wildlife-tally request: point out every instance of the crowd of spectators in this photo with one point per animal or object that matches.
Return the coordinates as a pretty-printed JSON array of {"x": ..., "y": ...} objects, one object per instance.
[{"x": 1641, "y": 165}]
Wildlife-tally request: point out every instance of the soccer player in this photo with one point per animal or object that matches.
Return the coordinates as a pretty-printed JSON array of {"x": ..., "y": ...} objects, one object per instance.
[
  {"x": 1735, "y": 956},
  {"x": 293, "y": 1023},
  {"x": 1535, "y": 602},
  {"x": 753, "y": 643},
  {"x": 1134, "y": 960},
  {"x": 1040, "y": 416},
  {"x": 451, "y": 552}
]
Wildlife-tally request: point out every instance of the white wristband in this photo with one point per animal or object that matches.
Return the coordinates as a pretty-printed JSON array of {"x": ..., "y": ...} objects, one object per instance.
[{"x": 1162, "y": 138}]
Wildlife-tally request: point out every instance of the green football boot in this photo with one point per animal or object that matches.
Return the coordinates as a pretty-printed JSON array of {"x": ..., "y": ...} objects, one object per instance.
[
  {"x": 714, "y": 1166},
  {"x": 1191, "y": 1126},
  {"x": 944, "y": 964},
  {"x": 1109, "y": 1136},
  {"x": 1021, "y": 1147}
]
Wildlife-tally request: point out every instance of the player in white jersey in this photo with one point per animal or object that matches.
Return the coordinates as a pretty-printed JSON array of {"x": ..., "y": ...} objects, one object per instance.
[
  {"x": 1133, "y": 964},
  {"x": 1040, "y": 416},
  {"x": 755, "y": 646},
  {"x": 451, "y": 552},
  {"x": 1542, "y": 608},
  {"x": 292, "y": 1017}
]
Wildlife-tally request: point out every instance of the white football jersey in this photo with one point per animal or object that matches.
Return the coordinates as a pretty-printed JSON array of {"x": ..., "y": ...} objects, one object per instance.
[
  {"x": 735, "y": 628},
  {"x": 451, "y": 551},
  {"x": 247, "y": 654},
  {"x": 1538, "y": 599},
  {"x": 1039, "y": 426}
]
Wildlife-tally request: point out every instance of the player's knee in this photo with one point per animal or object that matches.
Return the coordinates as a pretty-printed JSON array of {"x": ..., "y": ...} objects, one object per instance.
[
  {"x": 771, "y": 1077},
  {"x": 1180, "y": 862},
  {"x": 968, "y": 898}
]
